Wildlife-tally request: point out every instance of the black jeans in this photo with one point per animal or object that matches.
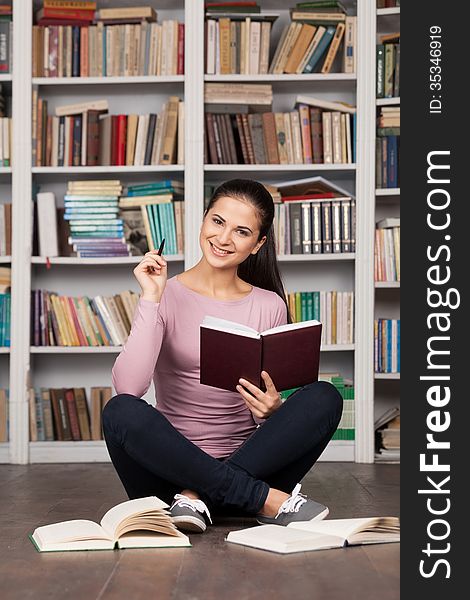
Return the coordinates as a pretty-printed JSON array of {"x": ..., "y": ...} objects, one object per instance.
[{"x": 153, "y": 459}]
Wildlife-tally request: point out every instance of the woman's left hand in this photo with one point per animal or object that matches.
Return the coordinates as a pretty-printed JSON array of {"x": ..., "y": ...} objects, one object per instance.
[{"x": 262, "y": 404}]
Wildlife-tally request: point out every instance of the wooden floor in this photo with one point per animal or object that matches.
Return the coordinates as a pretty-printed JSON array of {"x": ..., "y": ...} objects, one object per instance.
[{"x": 36, "y": 495}]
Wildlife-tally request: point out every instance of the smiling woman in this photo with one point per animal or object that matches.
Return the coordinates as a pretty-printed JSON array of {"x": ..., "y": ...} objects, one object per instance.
[{"x": 202, "y": 446}]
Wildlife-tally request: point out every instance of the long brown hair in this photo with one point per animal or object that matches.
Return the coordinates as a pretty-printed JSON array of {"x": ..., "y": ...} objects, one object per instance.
[{"x": 260, "y": 269}]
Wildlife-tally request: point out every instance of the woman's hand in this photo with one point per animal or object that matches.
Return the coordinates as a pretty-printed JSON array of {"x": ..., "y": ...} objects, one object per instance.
[
  {"x": 151, "y": 273},
  {"x": 261, "y": 404}
]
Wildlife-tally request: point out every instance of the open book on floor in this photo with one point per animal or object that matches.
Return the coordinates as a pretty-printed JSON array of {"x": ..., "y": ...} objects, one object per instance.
[
  {"x": 302, "y": 536},
  {"x": 230, "y": 351},
  {"x": 140, "y": 523}
]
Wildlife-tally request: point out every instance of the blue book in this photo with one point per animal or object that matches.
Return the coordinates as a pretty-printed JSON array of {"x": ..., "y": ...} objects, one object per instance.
[
  {"x": 389, "y": 346},
  {"x": 2, "y": 319},
  {"x": 379, "y": 347},
  {"x": 398, "y": 345},
  {"x": 392, "y": 161},
  {"x": 170, "y": 212},
  {"x": 320, "y": 49},
  {"x": 164, "y": 226},
  {"x": 75, "y": 51}
]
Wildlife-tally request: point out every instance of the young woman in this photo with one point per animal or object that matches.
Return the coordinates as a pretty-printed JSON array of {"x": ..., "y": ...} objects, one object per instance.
[{"x": 202, "y": 446}]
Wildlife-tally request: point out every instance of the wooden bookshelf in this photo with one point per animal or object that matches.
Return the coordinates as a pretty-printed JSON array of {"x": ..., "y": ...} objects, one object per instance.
[{"x": 354, "y": 271}]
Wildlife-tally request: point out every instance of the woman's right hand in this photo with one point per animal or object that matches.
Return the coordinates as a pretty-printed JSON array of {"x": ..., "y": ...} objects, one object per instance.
[{"x": 151, "y": 273}]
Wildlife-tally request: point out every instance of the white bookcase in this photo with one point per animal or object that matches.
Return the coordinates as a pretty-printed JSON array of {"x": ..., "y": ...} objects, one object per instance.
[
  {"x": 61, "y": 367},
  {"x": 387, "y": 204}
]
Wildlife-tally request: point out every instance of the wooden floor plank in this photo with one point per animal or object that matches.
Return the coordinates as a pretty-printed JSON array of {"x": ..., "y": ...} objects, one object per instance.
[{"x": 35, "y": 495}]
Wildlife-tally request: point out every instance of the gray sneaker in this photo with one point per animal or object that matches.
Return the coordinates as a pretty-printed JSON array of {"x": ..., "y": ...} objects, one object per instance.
[
  {"x": 296, "y": 508},
  {"x": 188, "y": 514}
]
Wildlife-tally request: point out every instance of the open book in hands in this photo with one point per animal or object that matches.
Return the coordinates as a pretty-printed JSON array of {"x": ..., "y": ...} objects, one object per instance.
[
  {"x": 302, "y": 536},
  {"x": 289, "y": 353},
  {"x": 140, "y": 523}
]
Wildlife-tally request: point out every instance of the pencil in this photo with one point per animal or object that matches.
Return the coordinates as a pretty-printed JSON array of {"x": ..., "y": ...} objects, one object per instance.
[{"x": 160, "y": 250}]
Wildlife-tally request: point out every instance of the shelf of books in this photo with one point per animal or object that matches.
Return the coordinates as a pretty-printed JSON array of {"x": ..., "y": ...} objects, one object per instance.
[
  {"x": 387, "y": 236},
  {"x": 274, "y": 92}
]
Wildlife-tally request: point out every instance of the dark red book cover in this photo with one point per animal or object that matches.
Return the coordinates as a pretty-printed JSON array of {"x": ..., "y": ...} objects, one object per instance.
[
  {"x": 180, "y": 67},
  {"x": 92, "y": 138},
  {"x": 316, "y": 131},
  {"x": 291, "y": 357},
  {"x": 73, "y": 416},
  {"x": 121, "y": 140},
  {"x": 114, "y": 139}
]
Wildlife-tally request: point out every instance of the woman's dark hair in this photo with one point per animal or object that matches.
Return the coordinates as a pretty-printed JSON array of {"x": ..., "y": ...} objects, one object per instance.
[{"x": 260, "y": 269}]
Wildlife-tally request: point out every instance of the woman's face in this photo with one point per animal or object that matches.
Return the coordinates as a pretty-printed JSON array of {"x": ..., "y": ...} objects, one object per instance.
[{"x": 229, "y": 232}]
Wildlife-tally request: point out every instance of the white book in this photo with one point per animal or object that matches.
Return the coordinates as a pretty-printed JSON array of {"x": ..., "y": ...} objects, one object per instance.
[
  {"x": 255, "y": 47},
  {"x": 142, "y": 129},
  {"x": 302, "y": 536},
  {"x": 349, "y": 59},
  {"x": 2, "y": 119},
  {"x": 47, "y": 224},
  {"x": 138, "y": 523},
  {"x": 210, "y": 57}
]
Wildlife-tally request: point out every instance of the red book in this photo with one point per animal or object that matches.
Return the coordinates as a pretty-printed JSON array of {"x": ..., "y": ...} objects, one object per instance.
[
  {"x": 309, "y": 197},
  {"x": 121, "y": 140},
  {"x": 76, "y": 323},
  {"x": 289, "y": 353},
  {"x": 65, "y": 13},
  {"x": 114, "y": 139},
  {"x": 180, "y": 68},
  {"x": 73, "y": 416}
]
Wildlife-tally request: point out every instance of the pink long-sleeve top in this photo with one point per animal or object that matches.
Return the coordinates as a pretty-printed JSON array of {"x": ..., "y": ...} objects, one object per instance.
[{"x": 164, "y": 346}]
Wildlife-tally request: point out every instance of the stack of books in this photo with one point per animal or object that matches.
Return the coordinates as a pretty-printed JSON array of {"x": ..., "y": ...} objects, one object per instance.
[
  {"x": 387, "y": 345},
  {"x": 84, "y": 135},
  {"x": 388, "y": 66},
  {"x": 387, "y": 250},
  {"x": 4, "y": 395},
  {"x": 387, "y": 436},
  {"x": 388, "y": 147},
  {"x": 113, "y": 42},
  {"x": 63, "y": 414},
  {"x": 151, "y": 212},
  {"x": 321, "y": 37},
  {"x": 79, "y": 13},
  {"x": 237, "y": 38},
  {"x": 5, "y": 305},
  {"x": 334, "y": 309},
  {"x": 91, "y": 209},
  {"x": 81, "y": 321}
]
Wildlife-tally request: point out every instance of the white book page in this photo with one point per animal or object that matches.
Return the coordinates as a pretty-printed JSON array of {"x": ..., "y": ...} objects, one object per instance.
[
  {"x": 341, "y": 527},
  {"x": 290, "y": 327},
  {"x": 146, "y": 539},
  {"x": 229, "y": 326},
  {"x": 69, "y": 531},
  {"x": 117, "y": 514}
]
